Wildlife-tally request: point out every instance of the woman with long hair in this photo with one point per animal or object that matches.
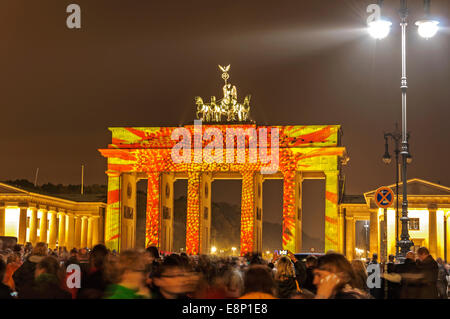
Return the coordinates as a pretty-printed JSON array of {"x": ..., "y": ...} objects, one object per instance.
[
  {"x": 285, "y": 279},
  {"x": 360, "y": 271},
  {"x": 335, "y": 279}
]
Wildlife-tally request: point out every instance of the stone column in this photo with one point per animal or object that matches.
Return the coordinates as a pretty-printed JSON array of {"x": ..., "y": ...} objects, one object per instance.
[
  {"x": 95, "y": 232},
  {"x": 33, "y": 225},
  {"x": 89, "y": 232},
  {"x": 247, "y": 212},
  {"x": 205, "y": 220},
  {"x": 84, "y": 231},
  {"x": 53, "y": 230},
  {"x": 299, "y": 211},
  {"x": 2, "y": 220},
  {"x": 112, "y": 218},
  {"x": 70, "y": 231},
  {"x": 350, "y": 237},
  {"x": 152, "y": 228},
  {"x": 447, "y": 232},
  {"x": 432, "y": 232},
  {"x": 374, "y": 232},
  {"x": 258, "y": 212},
  {"x": 62, "y": 229},
  {"x": 77, "y": 241},
  {"x": 43, "y": 227},
  {"x": 193, "y": 214},
  {"x": 331, "y": 210},
  {"x": 166, "y": 235},
  {"x": 289, "y": 210},
  {"x": 22, "y": 238}
]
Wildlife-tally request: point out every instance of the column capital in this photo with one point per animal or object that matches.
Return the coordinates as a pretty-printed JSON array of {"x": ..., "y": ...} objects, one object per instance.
[
  {"x": 112, "y": 173},
  {"x": 23, "y": 205},
  {"x": 432, "y": 207},
  {"x": 43, "y": 207}
]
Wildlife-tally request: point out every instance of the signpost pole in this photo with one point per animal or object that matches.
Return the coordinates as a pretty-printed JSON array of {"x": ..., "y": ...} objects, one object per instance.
[{"x": 385, "y": 250}]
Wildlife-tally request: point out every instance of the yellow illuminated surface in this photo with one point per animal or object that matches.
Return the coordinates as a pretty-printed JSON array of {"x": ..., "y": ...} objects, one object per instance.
[
  {"x": 391, "y": 240},
  {"x": 12, "y": 222},
  {"x": 440, "y": 233},
  {"x": 423, "y": 231}
]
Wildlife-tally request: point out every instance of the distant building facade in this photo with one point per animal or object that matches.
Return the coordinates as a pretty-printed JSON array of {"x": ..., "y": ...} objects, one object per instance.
[
  {"x": 429, "y": 226},
  {"x": 71, "y": 221}
]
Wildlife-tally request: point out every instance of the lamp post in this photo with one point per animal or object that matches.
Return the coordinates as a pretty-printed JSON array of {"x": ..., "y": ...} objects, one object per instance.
[
  {"x": 396, "y": 137},
  {"x": 379, "y": 29}
]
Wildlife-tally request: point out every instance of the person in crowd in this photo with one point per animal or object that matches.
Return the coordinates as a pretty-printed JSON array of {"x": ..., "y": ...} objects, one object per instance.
[
  {"x": 73, "y": 258},
  {"x": 233, "y": 283},
  {"x": 173, "y": 279},
  {"x": 128, "y": 277},
  {"x": 258, "y": 283},
  {"x": 46, "y": 283},
  {"x": 5, "y": 290},
  {"x": 335, "y": 279},
  {"x": 13, "y": 263},
  {"x": 429, "y": 269},
  {"x": 24, "y": 275},
  {"x": 93, "y": 279},
  {"x": 359, "y": 268},
  {"x": 83, "y": 257},
  {"x": 442, "y": 282},
  {"x": 376, "y": 292},
  {"x": 311, "y": 264},
  {"x": 19, "y": 249},
  {"x": 285, "y": 279},
  {"x": 393, "y": 288},
  {"x": 406, "y": 275},
  {"x": 151, "y": 259}
]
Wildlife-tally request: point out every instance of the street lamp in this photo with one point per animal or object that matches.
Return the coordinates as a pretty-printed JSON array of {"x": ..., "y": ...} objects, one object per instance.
[
  {"x": 379, "y": 29},
  {"x": 427, "y": 29},
  {"x": 396, "y": 136}
]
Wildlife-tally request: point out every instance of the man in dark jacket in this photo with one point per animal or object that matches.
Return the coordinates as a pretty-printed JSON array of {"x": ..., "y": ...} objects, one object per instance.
[
  {"x": 377, "y": 292},
  {"x": 24, "y": 276},
  {"x": 311, "y": 264},
  {"x": 428, "y": 268},
  {"x": 409, "y": 288},
  {"x": 93, "y": 281},
  {"x": 393, "y": 289}
]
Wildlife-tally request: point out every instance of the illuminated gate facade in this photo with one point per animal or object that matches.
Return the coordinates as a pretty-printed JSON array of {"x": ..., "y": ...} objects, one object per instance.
[{"x": 135, "y": 153}]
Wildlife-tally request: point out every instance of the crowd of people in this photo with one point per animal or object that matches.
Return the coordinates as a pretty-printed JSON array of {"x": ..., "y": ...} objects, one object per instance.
[{"x": 37, "y": 272}]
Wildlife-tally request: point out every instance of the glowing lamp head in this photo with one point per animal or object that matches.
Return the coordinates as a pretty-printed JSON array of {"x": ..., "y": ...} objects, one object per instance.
[
  {"x": 408, "y": 158},
  {"x": 379, "y": 29},
  {"x": 213, "y": 249},
  {"x": 386, "y": 158},
  {"x": 427, "y": 28}
]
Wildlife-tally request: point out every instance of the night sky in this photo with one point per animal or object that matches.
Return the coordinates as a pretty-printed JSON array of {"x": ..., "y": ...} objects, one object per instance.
[{"x": 141, "y": 63}]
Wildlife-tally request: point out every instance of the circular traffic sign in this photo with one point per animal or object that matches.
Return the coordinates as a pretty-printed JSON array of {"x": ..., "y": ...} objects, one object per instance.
[{"x": 384, "y": 197}]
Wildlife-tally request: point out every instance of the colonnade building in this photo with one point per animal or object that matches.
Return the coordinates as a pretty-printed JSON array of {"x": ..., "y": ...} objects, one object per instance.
[
  {"x": 429, "y": 224},
  {"x": 70, "y": 221}
]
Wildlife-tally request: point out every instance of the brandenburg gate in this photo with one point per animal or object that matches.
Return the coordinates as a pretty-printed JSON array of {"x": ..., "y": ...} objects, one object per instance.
[{"x": 216, "y": 148}]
